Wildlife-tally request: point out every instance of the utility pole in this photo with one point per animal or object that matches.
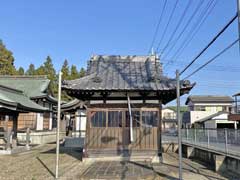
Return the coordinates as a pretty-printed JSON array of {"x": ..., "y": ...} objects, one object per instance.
[
  {"x": 179, "y": 126},
  {"x": 58, "y": 122},
  {"x": 238, "y": 11}
]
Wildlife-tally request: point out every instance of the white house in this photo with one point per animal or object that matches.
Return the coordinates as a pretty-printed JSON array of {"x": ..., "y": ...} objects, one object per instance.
[
  {"x": 202, "y": 106},
  {"x": 169, "y": 116}
]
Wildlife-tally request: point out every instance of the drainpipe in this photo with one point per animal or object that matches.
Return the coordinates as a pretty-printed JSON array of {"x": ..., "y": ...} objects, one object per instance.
[{"x": 131, "y": 120}]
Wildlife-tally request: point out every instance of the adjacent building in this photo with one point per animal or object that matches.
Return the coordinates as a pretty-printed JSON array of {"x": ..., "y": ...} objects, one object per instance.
[
  {"x": 202, "y": 108},
  {"x": 13, "y": 102},
  {"x": 169, "y": 117},
  {"x": 75, "y": 118},
  {"x": 36, "y": 88}
]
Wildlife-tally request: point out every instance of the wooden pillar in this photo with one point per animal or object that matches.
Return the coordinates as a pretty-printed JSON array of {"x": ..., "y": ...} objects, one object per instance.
[
  {"x": 87, "y": 135},
  {"x": 6, "y": 123},
  {"x": 159, "y": 134},
  {"x": 15, "y": 125}
]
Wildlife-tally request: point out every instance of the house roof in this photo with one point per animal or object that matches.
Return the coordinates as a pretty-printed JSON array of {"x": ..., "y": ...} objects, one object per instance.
[
  {"x": 124, "y": 73},
  {"x": 210, "y": 117},
  {"x": 16, "y": 100},
  {"x": 174, "y": 108},
  {"x": 32, "y": 86},
  {"x": 209, "y": 99}
]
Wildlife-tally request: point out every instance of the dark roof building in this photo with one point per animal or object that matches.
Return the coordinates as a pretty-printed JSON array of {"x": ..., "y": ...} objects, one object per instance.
[{"x": 112, "y": 87}]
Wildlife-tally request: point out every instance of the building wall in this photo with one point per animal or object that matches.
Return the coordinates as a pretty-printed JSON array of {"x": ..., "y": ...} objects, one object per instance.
[
  {"x": 81, "y": 120},
  {"x": 39, "y": 125},
  {"x": 210, "y": 107},
  {"x": 26, "y": 120},
  {"x": 210, "y": 124},
  {"x": 37, "y": 121},
  {"x": 168, "y": 112},
  {"x": 197, "y": 115}
]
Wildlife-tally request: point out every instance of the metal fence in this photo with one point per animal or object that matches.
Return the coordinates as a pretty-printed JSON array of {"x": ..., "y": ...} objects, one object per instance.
[{"x": 221, "y": 140}]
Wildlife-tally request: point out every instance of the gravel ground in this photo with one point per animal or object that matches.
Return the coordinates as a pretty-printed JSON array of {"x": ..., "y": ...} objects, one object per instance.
[{"x": 39, "y": 164}]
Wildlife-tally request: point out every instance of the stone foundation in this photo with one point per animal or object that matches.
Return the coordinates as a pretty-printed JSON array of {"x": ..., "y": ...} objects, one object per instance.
[{"x": 40, "y": 137}]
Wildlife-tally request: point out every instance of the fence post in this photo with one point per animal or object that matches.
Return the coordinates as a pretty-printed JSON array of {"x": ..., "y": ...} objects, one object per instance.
[
  {"x": 226, "y": 140},
  {"x": 28, "y": 138},
  {"x": 208, "y": 138}
]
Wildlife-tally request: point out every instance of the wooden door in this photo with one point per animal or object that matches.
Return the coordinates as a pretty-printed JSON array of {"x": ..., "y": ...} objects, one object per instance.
[{"x": 110, "y": 129}]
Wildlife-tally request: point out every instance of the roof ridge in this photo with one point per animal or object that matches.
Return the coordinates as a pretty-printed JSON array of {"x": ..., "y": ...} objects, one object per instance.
[
  {"x": 124, "y": 57},
  {"x": 25, "y": 76}
]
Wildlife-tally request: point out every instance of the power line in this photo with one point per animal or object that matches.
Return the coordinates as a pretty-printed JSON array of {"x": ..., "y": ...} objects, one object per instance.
[
  {"x": 209, "y": 68},
  {"x": 211, "y": 60},
  {"x": 210, "y": 43},
  {"x": 178, "y": 25},
  {"x": 195, "y": 28},
  {"x": 186, "y": 25},
  {"x": 166, "y": 27},
  {"x": 158, "y": 24}
]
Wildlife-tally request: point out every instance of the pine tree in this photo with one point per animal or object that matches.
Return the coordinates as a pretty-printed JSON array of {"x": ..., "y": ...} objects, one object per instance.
[
  {"x": 82, "y": 72},
  {"x": 6, "y": 61},
  {"x": 48, "y": 69},
  {"x": 20, "y": 71},
  {"x": 31, "y": 70},
  {"x": 40, "y": 71},
  {"x": 65, "y": 70},
  {"x": 74, "y": 72}
]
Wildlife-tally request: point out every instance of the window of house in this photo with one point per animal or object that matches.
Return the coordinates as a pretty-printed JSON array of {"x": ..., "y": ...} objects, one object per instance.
[
  {"x": 169, "y": 115},
  {"x": 98, "y": 119},
  {"x": 200, "y": 108},
  {"x": 220, "y": 108},
  {"x": 150, "y": 118},
  {"x": 135, "y": 117},
  {"x": 115, "y": 119},
  {"x": 225, "y": 108}
]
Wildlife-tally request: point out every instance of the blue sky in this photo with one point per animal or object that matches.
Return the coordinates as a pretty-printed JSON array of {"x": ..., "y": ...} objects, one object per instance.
[{"x": 75, "y": 30}]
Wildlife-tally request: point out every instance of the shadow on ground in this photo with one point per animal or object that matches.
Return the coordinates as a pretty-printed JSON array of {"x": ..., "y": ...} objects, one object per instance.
[{"x": 75, "y": 152}]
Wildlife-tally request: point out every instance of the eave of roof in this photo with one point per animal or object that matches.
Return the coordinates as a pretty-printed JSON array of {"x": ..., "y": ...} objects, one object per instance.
[
  {"x": 209, "y": 99},
  {"x": 47, "y": 97},
  {"x": 73, "y": 105},
  {"x": 15, "y": 99},
  {"x": 174, "y": 108}
]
